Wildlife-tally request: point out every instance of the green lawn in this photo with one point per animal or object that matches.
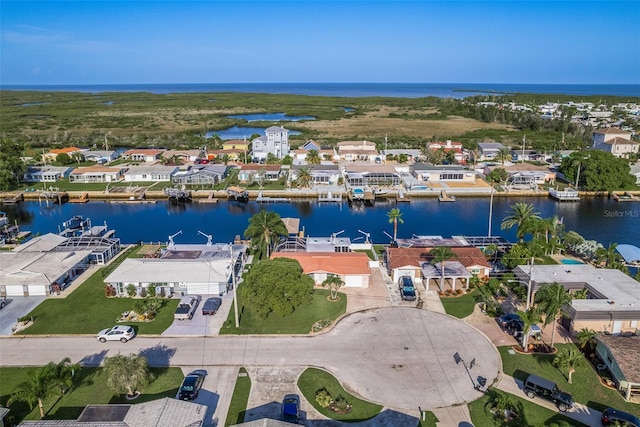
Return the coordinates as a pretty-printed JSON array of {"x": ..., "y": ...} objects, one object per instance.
[
  {"x": 533, "y": 415},
  {"x": 298, "y": 322},
  {"x": 460, "y": 306},
  {"x": 313, "y": 380},
  {"x": 91, "y": 388},
  {"x": 86, "y": 311},
  {"x": 586, "y": 387},
  {"x": 238, "y": 405}
]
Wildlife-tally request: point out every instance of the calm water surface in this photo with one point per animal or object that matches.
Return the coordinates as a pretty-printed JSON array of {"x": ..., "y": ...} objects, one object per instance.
[
  {"x": 240, "y": 132},
  {"x": 600, "y": 219}
]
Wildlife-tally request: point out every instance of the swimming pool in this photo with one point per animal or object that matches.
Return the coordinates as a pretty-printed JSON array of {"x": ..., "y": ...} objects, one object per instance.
[{"x": 570, "y": 261}]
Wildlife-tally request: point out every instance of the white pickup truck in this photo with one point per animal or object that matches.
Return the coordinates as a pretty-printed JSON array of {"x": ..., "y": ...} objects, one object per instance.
[{"x": 187, "y": 307}]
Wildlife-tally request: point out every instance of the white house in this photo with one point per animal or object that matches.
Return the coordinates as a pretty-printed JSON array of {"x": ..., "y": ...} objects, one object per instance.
[
  {"x": 614, "y": 141},
  {"x": 150, "y": 173},
  {"x": 351, "y": 151},
  {"x": 46, "y": 173},
  {"x": 275, "y": 141},
  {"x": 143, "y": 154},
  {"x": 434, "y": 173},
  {"x": 351, "y": 267},
  {"x": 100, "y": 156},
  {"x": 91, "y": 174},
  {"x": 320, "y": 174},
  {"x": 488, "y": 150}
]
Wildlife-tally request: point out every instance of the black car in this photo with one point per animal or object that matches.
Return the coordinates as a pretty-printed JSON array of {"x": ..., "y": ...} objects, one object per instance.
[
  {"x": 211, "y": 305},
  {"x": 537, "y": 386},
  {"x": 515, "y": 327},
  {"x": 619, "y": 418},
  {"x": 504, "y": 320},
  {"x": 191, "y": 385},
  {"x": 291, "y": 408}
]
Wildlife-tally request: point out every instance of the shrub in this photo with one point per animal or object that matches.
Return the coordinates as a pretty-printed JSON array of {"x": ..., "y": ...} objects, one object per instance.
[
  {"x": 143, "y": 292},
  {"x": 341, "y": 405},
  {"x": 459, "y": 291},
  {"x": 131, "y": 290},
  {"x": 109, "y": 291},
  {"x": 151, "y": 291},
  {"x": 323, "y": 398}
]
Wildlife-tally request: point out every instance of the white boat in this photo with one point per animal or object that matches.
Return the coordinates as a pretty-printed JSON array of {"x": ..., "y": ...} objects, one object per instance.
[{"x": 4, "y": 220}]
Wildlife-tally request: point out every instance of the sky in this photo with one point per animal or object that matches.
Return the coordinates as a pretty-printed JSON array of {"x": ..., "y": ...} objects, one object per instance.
[{"x": 155, "y": 42}]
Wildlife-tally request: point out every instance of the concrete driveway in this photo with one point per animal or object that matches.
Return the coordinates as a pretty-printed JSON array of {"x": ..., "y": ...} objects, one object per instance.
[
  {"x": 201, "y": 325},
  {"x": 17, "y": 307}
]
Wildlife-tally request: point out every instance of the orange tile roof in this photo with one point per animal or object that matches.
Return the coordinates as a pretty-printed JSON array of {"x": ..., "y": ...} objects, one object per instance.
[
  {"x": 330, "y": 262},
  {"x": 400, "y": 257},
  {"x": 150, "y": 151},
  {"x": 66, "y": 150},
  {"x": 91, "y": 169}
]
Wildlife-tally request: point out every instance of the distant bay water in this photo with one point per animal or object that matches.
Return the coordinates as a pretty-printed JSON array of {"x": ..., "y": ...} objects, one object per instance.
[{"x": 351, "y": 90}]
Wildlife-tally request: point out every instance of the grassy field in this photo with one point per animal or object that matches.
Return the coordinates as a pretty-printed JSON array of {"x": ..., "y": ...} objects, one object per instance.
[
  {"x": 532, "y": 414},
  {"x": 586, "y": 387},
  {"x": 238, "y": 405},
  {"x": 299, "y": 322},
  {"x": 313, "y": 380},
  {"x": 460, "y": 306},
  {"x": 91, "y": 388}
]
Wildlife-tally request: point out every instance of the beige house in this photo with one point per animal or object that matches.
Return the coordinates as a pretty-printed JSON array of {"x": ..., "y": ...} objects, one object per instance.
[
  {"x": 351, "y": 267},
  {"x": 615, "y": 141},
  {"x": 352, "y": 151},
  {"x": 143, "y": 154},
  {"x": 91, "y": 174},
  {"x": 435, "y": 173}
]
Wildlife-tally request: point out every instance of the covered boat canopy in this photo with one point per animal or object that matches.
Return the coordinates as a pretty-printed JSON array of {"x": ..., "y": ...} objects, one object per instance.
[{"x": 630, "y": 253}]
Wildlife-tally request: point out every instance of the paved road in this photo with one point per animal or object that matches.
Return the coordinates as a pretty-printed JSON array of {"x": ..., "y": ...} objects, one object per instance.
[{"x": 399, "y": 357}]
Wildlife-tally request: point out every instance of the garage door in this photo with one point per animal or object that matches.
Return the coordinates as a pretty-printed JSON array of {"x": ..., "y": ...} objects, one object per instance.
[
  {"x": 353, "y": 281},
  {"x": 37, "y": 290},
  {"x": 203, "y": 288},
  {"x": 14, "y": 291}
]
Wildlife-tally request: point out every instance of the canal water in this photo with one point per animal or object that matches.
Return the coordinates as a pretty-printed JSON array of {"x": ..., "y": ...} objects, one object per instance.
[{"x": 600, "y": 219}]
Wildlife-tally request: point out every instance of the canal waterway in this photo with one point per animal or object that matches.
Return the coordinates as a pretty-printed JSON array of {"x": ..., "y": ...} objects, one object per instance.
[{"x": 600, "y": 219}]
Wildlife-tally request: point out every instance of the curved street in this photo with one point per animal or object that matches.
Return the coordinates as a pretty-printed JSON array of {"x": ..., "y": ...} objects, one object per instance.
[{"x": 399, "y": 357}]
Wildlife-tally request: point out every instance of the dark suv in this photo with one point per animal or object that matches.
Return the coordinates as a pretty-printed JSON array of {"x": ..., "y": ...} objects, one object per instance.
[
  {"x": 407, "y": 291},
  {"x": 536, "y": 386},
  {"x": 613, "y": 416}
]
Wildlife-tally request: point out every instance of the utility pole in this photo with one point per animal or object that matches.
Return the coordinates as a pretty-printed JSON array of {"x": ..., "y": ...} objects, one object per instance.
[
  {"x": 524, "y": 142},
  {"x": 233, "y": 283},
  {"x": 529, "y": 284},
  {"x": 490, "y": 210}
]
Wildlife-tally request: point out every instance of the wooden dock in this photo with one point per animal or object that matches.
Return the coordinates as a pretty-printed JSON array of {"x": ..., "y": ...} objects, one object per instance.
[
  {"x": 402, "y": 197},
  {"x": 13, "y": 199},
  {"x": 329, "y": 197},
  {"x": 566, "y": 195},
  {"x": 84, "y": 198},
  {"x": 626, "y": 197}
]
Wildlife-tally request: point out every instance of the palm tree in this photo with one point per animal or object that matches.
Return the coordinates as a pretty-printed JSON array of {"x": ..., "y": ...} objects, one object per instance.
[
  {"x": 586, "y": 339},
  {"x": 440, "y": 255},
  {"x": 395, "y": 217},
  {"x": 529, "y": 318},
  {"x": 38, "y": 387},
  {"x": 503, "y": 155},
  {"x": 334, "y": 283},
  {"x": 521, "y": 215},
  {"x": 63, "y": 373},
  {"x": 610, "y": 256},
  {"x": 126, "y": 373},
  {"x": 567, "y": 360},
  {"x": 303, "y": 177},
  {"x": 263, "y": 230},
  {"x": 313, "y": 157},
  {"x": 550, "y": 299}
]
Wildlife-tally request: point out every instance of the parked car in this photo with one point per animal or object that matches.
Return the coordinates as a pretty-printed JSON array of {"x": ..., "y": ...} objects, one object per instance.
[
  {"x": 407, "y": 291},
  {"x": 618, "y": 418},
  {"x": 504, "y": 320},
  {"x": 291, "y": 408},
  {"x": 121, "y": 333},
  {"x": 3, "y": 302},
  {"x": 537, "y": 386},
  {"x": 211, "y": 306},
  {"x": 187, "y": 307},
  {"x": 191, "y": 385}
]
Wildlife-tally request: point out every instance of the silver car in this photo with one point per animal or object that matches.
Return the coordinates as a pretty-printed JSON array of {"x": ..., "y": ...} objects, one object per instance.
[{"x": 122, "y": 333}]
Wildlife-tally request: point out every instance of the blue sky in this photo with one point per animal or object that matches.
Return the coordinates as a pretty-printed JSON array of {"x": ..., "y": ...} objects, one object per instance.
[{"x": 107, "y": 42}]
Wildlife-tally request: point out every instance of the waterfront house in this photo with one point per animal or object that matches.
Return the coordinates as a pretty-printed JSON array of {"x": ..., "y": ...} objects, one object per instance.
[
  {"x": 52, "y": 155},
  {"x": 93, "y": 174},
  {"x": 615, "y": 141},
  {"x": 351, "y": 267},
  {"x": 100, "y": 156},
  {"x": 201, "y": 175},
  {"x": 322, "y": 174},
  {"x": 46, "y": 173},
  {"x": 425, "y": 172},
  {"x": 155, "y": 173},
  {"x": 620, "y": 355},
  {"x": 613, "y": 304},
  {"x": 275, "y": 141},
  {"x": 201, "y": 269},
  {"x": 182, "y": 156},
  {"x": 149, "y": 155},
  {"x": 351, "y": 151},
  {"x": 371, "y": 175},
  {"x": 488, "y": 151},
  {"x": 635, "y": 171},
  {"x": 249, "y": 172}
]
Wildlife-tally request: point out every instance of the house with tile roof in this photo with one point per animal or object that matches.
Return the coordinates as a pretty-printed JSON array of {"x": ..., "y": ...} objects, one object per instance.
[
  {"x": 143, "y": 154},
  {"x": 621, "y": 354},
  {"x": 52, "y": 155},
  {"x": 352, "y": 151},
  {"x": 93, "y": 174},
  {"x": 248, "y": 172},
  {"x": 615, "y": 141},
  {"x": 352, "y": 267}
]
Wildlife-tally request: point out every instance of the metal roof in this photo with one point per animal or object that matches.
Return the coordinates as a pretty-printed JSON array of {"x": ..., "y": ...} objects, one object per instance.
[
  {"x": 21, "y": 268},
  {"x": 158, "y": 270},
  {"x": 630, "y": 253}
]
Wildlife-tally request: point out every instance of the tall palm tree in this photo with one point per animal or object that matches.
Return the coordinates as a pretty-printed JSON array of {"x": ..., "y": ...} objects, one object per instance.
[
  {"x": 529, "y": 318},
  {"x": 610, "y": 256},
  {"x": 503, "y": 155},
  {"x": 264, "y": 229},
  {"x": 334, "y": 283},
  {"x": 567, "y": 360},
  {"x": 303, "y": 177},
  {"x": 63, "y": 373},
  {"x": 313, "y": 157},
  {"x": 550, "y": 299},
  {"x": 521, "y": 216},
  {"x": 586, "y": 339},
  {"x": 395, "y": 217},
  {"x": 440, "y": 255},
  {"x": 35, "y": 389}
]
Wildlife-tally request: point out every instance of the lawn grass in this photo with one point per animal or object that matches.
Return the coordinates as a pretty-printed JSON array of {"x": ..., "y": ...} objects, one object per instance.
[
  {"x": 430, "y": 420},
  {"x": 313, "y": 379},
  {"x": 86, "y": 310},
  {"x": 532, "y": 414},
  {"x": 239, "y": 399},
  {"x": 460, "y": 306},
  {"x": 298, "y": 322},
  {"x": 586, "y": 387},
  {"x": 90, "y": 388}
]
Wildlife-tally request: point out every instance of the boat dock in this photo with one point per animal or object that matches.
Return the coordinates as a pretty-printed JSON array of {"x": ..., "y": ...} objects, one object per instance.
[
  {"x": 84, "y": 198},
  {"x": 263, "y": 199},
  {"x": 238, "y": 193},
  {"x": 444, "y": 197},
  {"x": 12, "y": 200},
  {"x": 626, "y": 197},
  {"x": 54, "y": 195},
  {"x": 402, "y": 197},
  {"x": 210, "y": 199},
  {"x": 177, "y": 194},
  {"x": 329, "y": 197},
  {"x": 566, "y": 195}
]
